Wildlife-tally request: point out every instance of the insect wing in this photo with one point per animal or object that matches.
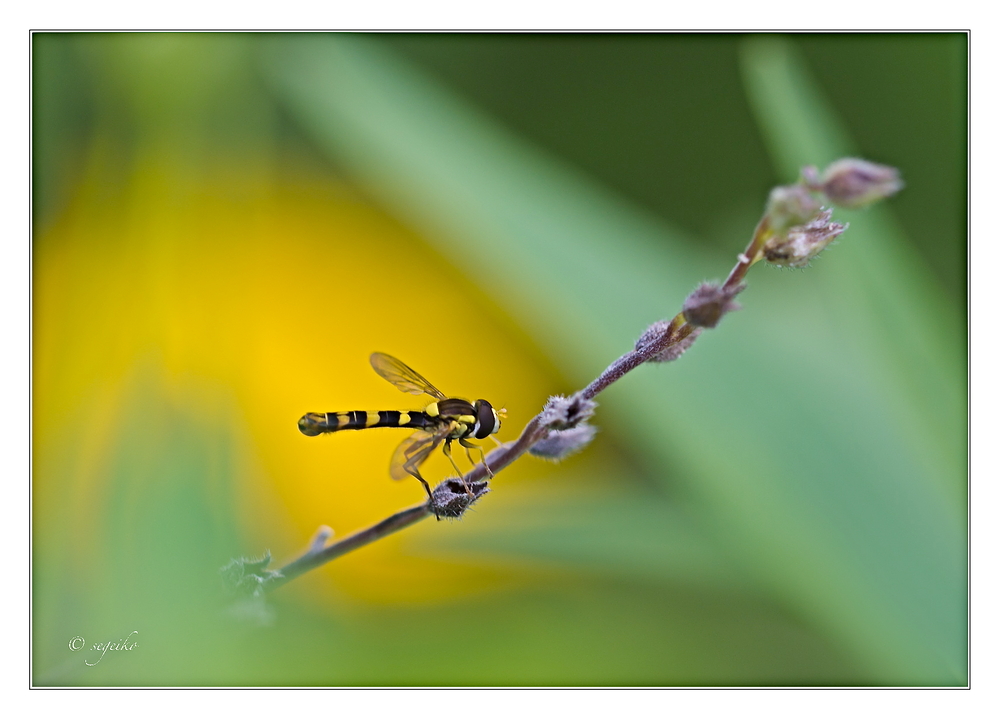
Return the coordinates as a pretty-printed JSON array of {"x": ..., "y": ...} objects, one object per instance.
[
  {"x": 404, "y": 378},
  {"x": 413, "y": 452}
]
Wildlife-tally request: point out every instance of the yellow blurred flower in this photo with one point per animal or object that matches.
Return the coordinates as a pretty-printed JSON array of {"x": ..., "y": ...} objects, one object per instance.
[{"x": 235, "y": 303}]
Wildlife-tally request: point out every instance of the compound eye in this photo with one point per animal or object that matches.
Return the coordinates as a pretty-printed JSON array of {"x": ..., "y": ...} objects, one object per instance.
[{"x": 487, "y": 418}]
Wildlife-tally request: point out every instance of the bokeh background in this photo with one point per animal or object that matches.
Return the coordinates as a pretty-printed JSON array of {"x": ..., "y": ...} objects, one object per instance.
[{"x": 227, "y": 225}]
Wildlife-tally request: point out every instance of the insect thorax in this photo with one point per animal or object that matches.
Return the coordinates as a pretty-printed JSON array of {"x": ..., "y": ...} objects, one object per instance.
[{"x": 458, "y": 411}]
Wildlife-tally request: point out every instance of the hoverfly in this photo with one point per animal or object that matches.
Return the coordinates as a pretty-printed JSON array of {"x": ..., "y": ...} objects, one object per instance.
[{"x": 446, "y": 419}]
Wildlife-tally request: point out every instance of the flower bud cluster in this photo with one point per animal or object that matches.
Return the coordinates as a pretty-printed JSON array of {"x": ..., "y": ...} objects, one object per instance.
[
  {"x": 246, "y": 577},
  {"x": 852, "y": 183},
  {"x": 799, "y": 227},
  {"x": 797, "y": 246},
  {"x": 566, "y": 412},
  {"x": 709, "y": 303},
  {"x": 565, "y": 418},
  {"x": 659, "y": 333},
  {"x": 561, "y": 443},
  {"x": 790, "y": 205},
  {"x": 453, "y": 497}
]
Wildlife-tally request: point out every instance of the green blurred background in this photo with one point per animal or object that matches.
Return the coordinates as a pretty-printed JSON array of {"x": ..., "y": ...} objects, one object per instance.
[{"x": 226, "y": 225}]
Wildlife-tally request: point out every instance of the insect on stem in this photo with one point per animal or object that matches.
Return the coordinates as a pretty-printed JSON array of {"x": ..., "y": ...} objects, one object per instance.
[{"x": 442, "y": 422}]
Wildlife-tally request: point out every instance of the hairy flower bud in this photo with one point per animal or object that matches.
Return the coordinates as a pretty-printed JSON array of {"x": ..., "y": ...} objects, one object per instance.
[
  {"x": 565, "y": 412},
  {"x": 674, "y": 351},
  {"x": 853, "y": 183},
  {"x": 800, "y": 244},
  {"x": 709, "y": 302},
  {"x": 452, "y": 497},
  {"x": 559, "y": 444},
  {"x": 790, "y": 205},
  {"x": 246, "y": 577},
  {"x": 656, "y": 333}
]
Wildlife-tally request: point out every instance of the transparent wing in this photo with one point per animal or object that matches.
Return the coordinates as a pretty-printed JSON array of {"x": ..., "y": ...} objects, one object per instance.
[
  {"x": 405, "y": 379},
  {"x": 413, "y": 452}
]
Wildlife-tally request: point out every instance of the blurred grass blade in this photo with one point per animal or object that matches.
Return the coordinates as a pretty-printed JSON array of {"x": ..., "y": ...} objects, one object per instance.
[
  {"x": 793, "y": 117},
  {"x": 896, "y": 301},
  {"x": 458, "y": 177},
  {"x": 914, "y": 326},
  {"x": 632, "y": 538},
  {"x": 842, "y": 495}
]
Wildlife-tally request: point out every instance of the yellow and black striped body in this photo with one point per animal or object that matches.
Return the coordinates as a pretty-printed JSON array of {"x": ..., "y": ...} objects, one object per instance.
[
  {"x": 446, "y": 420},
  {"x": 459, "y": 414},
  {"x": 316, "y": 423}
]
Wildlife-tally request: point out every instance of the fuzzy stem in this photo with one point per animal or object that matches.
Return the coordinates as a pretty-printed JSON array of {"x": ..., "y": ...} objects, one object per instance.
[
  {"x": 312, "y": 559},
  {"x": 533, "y": 432},
  {"x": 751, "y": 255},
  {"x": 615, "y": 371},
  {"x": 497, "y": 460},
  {"x": 651, "y": 347}
]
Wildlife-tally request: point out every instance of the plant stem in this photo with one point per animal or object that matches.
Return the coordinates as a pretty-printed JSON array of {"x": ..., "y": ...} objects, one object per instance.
[
  {"x": 497, "y": 460},
  {"x": 312, "y": 559},
  {"x": 662, "y": 342},
  {"x": 751, "y": 255},
  {"x": 533, "y": 432}
]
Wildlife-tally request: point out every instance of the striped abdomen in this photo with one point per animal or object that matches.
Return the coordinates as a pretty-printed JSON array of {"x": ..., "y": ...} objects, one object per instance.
[{"x": 316, "y": 423}]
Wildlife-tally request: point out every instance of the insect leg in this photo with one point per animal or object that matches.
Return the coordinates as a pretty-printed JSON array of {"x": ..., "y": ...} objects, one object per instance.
[
  {"x": 447, "y": 453},
  {"x": 467, "y": 452},
  {"x": 416, "y": 473},
  {"x": 482, "y": 454}
]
